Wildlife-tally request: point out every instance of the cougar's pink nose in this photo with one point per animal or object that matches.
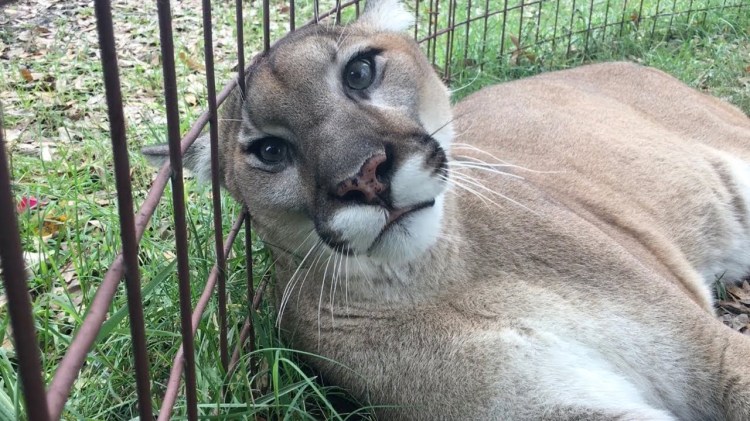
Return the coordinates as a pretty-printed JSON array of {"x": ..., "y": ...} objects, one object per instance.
[{"x": 367, "y": 186}]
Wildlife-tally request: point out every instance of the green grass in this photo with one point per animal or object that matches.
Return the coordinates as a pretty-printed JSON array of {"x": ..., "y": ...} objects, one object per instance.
[{"x": 62, "y": 111}]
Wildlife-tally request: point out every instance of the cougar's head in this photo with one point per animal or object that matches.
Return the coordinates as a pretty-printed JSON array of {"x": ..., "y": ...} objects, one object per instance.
[{"x": 344, "y": 133}]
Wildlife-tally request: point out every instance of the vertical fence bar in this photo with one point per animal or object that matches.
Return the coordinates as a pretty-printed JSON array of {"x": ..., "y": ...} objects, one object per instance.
[
  {"x": 689, "y": 11},
  {"x": 570, "y": 30},
  {"x": 266, "y": 25},
  {"x": 429, "y": 28},
  {"x": 449, "y": 40},
  {"x": 466, "y": 34},
  {"x": 208, "y": 48},
  {"x": 640, "y": 15},
  {"x": 435, "y": 14},
  {"x": 554, "y": 29},
  {"x": 538, "y": 21},
  {"x": 178, "y": 201},
  {"x": 606, "y": 21},
  {"x": 588, "y": 30},
  {"x": 240, "y": 47},
  {"x": 416, "y": 20},
  {"x": 520, "y": 27},
  {"x": 484, "y": 34},
  {"x": 250, "y": 284},
  {"x": 653, "y": 26},
  {"x": 104, "y": 25},
  {"x": 19, "y": 303},
  {"x": 502, "y": 33},
  {"x": 624, "y": 14},
  {"x": 292, "y": 12},
  {"x": 671, "y": 17}
]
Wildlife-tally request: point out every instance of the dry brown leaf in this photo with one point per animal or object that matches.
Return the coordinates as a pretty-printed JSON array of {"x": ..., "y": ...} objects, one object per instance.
[
  {"x": 26, "y": 75},
  {"x": 51, "y": 226},
  {"x": 191, "y": 63}
]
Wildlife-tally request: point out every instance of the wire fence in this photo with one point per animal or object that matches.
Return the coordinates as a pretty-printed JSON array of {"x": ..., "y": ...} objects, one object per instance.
[{"x": 457, "y": 37}]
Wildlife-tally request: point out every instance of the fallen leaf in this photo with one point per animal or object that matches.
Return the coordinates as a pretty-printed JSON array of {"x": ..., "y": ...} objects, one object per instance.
[
  {"x": 26, "y": 75},
  {"x": 51, "y": 226},
  {"x": 191, "y": 99},
  {"x": 46, "y": 153},
  {"x": 191, "y": 63}
]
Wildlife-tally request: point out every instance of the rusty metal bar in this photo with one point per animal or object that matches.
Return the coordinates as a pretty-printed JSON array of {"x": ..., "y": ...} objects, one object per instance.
[
  {"x": 240, "y": 47},
  {"x": 416, "y": 18},
  {"x": 19, "y": 302},
  {"x": 505, "y": 21},
  {"x": 103, "y": 10},
  {"x": 215, "y": 180},
  {"x": 588, "y": 29},
  {"x": 266, "y": 25},
  {"x": 484, "y": 32},
  {"x": 606, "y": 20},
  {"x": 538, "y": 20},
  {"x": 71, "y": 364},
  {"x": 449, "y": 40},
  {"x": 178, "y": 201},
  {"x": 570, "y": 30},
  {"x": 292, "y": 15},
  {"x": 436, "y": 15},
  {"x": 671, "y": 17},
  {"x": 653, "y": 26},
  {"x": 466, "y": 34},
  {"x": 321, "y": 16},
  {"x": 173, "y": 384},
  {"x": 429, "y": 37},
  {"x": 554, "y": 30}
]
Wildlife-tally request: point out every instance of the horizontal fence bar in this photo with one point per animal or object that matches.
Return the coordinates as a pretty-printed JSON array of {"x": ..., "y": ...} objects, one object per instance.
[{"x": 173, "y": 384}]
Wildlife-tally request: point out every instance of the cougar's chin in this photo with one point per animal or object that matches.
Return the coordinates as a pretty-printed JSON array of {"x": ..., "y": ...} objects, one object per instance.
[
  {"x": 394, "y": 236},
  {"x": 409, "y": 234}
]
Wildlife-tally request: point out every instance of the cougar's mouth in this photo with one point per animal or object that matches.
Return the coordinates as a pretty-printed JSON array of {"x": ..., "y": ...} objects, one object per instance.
[{"x": 396, "y": 214}]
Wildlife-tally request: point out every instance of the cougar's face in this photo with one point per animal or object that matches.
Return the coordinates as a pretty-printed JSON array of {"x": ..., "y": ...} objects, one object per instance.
[{"x": 345, "y": 133}]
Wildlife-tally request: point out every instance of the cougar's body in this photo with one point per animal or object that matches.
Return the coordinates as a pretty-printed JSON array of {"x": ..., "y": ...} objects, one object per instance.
[{"x": 545, "y": 250}]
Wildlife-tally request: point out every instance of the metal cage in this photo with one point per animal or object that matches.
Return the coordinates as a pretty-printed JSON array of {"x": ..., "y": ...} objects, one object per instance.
[{"x": 510, "y": 33}]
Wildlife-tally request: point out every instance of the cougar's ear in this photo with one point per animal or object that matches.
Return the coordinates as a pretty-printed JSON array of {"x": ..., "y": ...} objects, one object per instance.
[
  {"x": 386, "y": 15},
  {"x": 197, "y": 158}
]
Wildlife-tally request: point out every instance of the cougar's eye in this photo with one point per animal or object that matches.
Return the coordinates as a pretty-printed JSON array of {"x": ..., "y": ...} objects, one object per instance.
[
  {"x": 359, "y": 73},
  {"x": 271, "y": 150}
]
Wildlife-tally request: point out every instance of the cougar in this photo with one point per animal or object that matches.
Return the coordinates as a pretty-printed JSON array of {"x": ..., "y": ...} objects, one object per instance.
[{"x": 543, "y": 250}]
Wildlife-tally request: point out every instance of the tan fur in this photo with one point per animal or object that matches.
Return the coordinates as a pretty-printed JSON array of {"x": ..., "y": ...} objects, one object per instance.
[{"x": 583, "y": 292}]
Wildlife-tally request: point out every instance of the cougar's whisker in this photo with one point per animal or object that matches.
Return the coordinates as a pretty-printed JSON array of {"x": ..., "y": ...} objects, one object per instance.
[
  {"x": 332, "y": 255},
  {"x": 479, "y": 185},
  {"x": 458, "y": 167},
  {"x": 290, "y": 285}
]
